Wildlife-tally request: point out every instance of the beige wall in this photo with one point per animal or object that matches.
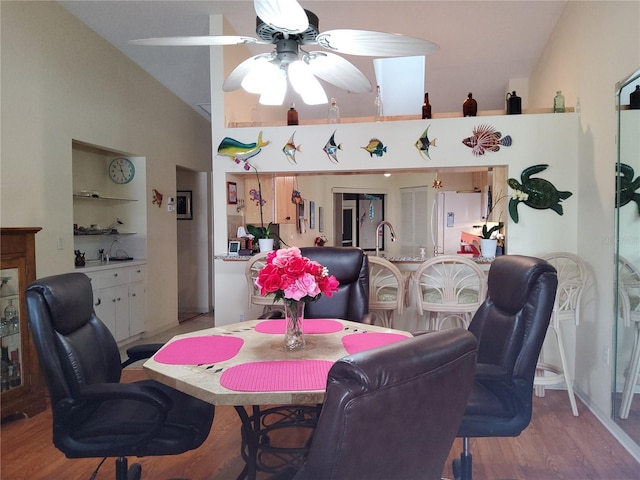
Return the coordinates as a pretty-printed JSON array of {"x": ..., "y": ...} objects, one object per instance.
[
  {"x": 61, "y": 81},
  {"x": 594, "y": 45}
]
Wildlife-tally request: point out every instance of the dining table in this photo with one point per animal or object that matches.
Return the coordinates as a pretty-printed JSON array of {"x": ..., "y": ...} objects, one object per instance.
[{"x": 245, "y": 365}]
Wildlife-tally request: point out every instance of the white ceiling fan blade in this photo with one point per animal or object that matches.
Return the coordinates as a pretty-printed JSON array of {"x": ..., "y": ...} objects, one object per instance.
[
  {"x": 374, "y": 44},
  {"x": 284, "y": 15},
  {"x": 336, "y": 70},
  {"x": 235, "y": 78},
  {"x": 194, "y": 41},
  {"x": 307, "y": 86}
]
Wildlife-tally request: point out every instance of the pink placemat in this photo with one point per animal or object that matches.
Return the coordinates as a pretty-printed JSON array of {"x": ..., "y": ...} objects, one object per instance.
[
  {"x": 310, "y": 326},
  {"x": 357, "y": 342},
  {"x": 277, "y": 376},
  {"x": 199, "y": 350}
]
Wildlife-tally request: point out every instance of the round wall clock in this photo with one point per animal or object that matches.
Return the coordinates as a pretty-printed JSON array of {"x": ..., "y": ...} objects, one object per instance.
[{"x": 122, "y": 170}]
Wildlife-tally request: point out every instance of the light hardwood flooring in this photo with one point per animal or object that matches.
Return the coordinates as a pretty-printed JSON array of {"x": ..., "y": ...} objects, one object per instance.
[{"x": 556, "y": 445}]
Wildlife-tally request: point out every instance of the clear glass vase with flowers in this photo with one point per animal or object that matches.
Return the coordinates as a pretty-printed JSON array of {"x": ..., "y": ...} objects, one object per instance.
[{"x": 296, "y": 280}]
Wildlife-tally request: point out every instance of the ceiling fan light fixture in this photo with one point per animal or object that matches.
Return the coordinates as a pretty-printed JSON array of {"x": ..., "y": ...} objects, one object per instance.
[
  {"x": 275, "y": 90},
  {"x": 306, "y": 84},
  {"x": 260, "y": 76}
]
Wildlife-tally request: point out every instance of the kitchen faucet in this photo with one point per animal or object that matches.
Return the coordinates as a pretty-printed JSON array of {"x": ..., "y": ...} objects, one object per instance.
[{"x": 378, "y": 230}]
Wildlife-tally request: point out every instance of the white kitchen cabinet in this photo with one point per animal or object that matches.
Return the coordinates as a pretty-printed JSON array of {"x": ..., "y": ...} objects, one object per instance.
[{"x": 119, "y": 298}]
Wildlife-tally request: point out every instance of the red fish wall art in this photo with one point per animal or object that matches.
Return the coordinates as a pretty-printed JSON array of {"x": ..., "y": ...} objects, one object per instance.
[{"x": 485, "y": 138}]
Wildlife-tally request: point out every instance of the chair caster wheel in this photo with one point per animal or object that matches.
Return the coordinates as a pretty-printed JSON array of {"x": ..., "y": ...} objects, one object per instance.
[
  {"x": 134, "y": 472},
  {"x": 455, "y": 465}
]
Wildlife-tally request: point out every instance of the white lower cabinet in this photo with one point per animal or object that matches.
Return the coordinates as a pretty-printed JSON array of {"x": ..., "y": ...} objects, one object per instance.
[{"x": 120, "y": 300}]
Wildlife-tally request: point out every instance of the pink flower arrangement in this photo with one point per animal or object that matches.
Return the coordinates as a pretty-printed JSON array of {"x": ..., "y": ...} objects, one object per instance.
[{"x": 291, "y": 276}]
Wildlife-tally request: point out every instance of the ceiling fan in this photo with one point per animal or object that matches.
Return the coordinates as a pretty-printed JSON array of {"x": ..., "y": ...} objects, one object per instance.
[{"x": 285, "y": 24}]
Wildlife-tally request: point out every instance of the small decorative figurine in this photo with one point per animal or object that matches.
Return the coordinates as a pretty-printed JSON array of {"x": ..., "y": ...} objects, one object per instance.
[{"x": 79, "y": 258}]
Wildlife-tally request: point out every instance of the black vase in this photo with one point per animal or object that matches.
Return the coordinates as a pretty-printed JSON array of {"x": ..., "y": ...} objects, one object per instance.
[{"x": 634, "y": 99}]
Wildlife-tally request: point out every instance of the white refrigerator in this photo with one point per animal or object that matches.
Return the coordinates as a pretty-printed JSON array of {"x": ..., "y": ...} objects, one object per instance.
[{"x": 451, "y": 214}]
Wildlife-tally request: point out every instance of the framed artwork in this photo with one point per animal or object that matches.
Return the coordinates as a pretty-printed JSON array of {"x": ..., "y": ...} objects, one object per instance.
[
  {"x": 184, "y": 204},
  {"x": 320, "y": 219},
  {"x": 232, "y": 193},
  {"x": 312, "y": 214}
]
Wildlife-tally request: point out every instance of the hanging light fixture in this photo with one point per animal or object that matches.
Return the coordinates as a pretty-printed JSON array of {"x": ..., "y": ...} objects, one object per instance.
[
  {"x": 267, "y": 75},
  {"x": 436, "y": 183}
]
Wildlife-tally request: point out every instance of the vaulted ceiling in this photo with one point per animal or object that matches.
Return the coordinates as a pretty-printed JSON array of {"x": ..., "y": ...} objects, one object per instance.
[{"x": 483, "y": 44}]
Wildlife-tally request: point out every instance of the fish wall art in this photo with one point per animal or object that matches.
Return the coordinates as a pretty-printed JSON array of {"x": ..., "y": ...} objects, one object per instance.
[
  {"x": 331, "y": 148},
  {"x": 375, "y": 147},
  {"x": 423, "y": 143},
  {"x": 290, "y": 149},
  {"x": 485, "y": 138},
  {"x": 536, "y": 193},
  {"x": 241, "y": 152},
  {"x": 626, "y": 186}
]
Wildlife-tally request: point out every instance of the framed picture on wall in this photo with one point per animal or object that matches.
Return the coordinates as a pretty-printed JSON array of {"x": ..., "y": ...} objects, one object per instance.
[
  {"x": 232, "y": 193},
  {"x": 184, "y": 201}
]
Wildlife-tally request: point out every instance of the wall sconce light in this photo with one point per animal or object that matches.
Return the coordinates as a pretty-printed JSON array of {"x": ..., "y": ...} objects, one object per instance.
[{"x": 240, "y": 205}]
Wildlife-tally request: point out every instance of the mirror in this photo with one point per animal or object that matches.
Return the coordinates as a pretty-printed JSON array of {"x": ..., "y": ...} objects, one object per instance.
[{"x": 626, "y": 394}]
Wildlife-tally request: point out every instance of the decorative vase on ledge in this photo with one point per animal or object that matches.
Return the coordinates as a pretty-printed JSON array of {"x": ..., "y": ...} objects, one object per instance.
[
  {"x": 266, "y": 244},
  {"x": 294, "y": 317}
]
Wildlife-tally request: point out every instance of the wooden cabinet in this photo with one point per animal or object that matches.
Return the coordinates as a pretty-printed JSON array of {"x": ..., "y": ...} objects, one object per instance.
[
  {"x": 22, "y": 386},
  {"x": 276, "y": 193},
  {"x": 252, "y": 206},
  {"x": 285, "y": 208},
  {"x": 119, "y": 299}
]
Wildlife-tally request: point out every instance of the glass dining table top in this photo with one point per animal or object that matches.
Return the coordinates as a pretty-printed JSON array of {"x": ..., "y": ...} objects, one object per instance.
[{"x": 246, "y": 364}]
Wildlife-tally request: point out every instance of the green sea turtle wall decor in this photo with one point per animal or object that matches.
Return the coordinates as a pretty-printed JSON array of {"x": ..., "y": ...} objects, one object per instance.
[
  {"x": 536, "y": 193},
  {"x": 626, "y": 186}
]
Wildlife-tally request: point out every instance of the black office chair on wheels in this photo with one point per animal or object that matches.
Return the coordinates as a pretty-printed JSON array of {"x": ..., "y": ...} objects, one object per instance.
[
  {"x": 93, "y": 414},
  {"x": 392, "y": 412},
  {"x": 350, "y": 266},
  {"x": 510, "y": 327}
]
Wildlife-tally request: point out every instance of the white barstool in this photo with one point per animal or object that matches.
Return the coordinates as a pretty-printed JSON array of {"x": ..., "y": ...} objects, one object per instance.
[
  {"x": 387, "y": 290},
  {"x": 572, "y": 277},
  {"x": 253, "y": 267},
  {"x": 449, "y": 288},
  {"x": 629, "y": 308}
]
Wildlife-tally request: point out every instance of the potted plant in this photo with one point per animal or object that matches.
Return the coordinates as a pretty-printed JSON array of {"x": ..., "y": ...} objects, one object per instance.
[
  {"x": 489, "y": 234},
  {"x": 263, "y": 234}
]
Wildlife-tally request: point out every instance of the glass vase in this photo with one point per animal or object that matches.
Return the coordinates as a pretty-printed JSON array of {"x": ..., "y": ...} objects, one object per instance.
[{"x": 294, "y": 316}]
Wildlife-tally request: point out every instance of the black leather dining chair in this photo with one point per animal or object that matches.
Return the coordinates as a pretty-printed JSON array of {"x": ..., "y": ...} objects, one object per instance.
[
  {"x": 393, "y": 412},
  {"x": 510, "y": 326},
  {"x": 94, "y": 415},
  {"x": 350, "y": 266}
]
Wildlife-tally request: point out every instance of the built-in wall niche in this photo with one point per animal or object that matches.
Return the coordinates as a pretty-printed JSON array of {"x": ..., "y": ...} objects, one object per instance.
[{"x": 106, "y": 214}]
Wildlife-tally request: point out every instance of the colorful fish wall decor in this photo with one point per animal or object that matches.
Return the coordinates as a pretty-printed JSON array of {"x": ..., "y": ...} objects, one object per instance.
[
  {"x": 290, "y": 149},
  {"x": 536, "y": 193},
  {"x": 375, "y": 147},
  {"x": 331, "y": 148},
  {"x": 241, "y": 152},
  {"x": 626, "y": 186},
  {"x": 485, "y": 138},
  {"x": 423, "y": 143}
]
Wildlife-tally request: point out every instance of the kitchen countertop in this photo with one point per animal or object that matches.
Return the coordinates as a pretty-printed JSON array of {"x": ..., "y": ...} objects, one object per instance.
[{"x": 96, "y": 265}]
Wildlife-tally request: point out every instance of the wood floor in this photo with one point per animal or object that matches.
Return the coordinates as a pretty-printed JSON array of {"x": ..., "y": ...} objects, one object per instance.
[{"x": 556, "y": 445}]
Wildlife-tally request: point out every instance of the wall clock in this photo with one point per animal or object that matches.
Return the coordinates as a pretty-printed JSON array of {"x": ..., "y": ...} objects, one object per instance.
[{"x": 121, "y": 170}]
